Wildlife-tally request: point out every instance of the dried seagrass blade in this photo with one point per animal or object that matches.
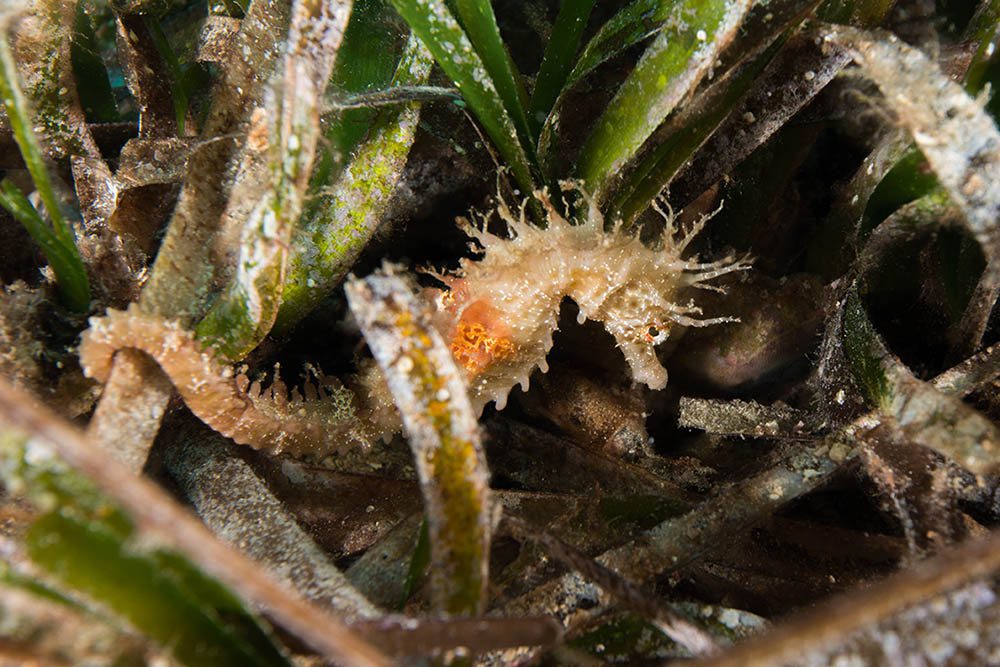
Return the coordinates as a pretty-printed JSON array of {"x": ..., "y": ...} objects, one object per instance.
[
  {"x": 401, "y": 635},
  {"x": 180, "y": 278},
  {"x": 744, "y": 418},
  {"x": 441, "y": 427},
  {"x": 790, "y": 81},
  {"x": 679, "y": 541},
  {"x": 244, "y": 512},
  {"x": 956, "y": 135},
  {"x": 144, "y": 70},
  {"x": 671, "y": 623},
  {"x": 133, "y": 402}
]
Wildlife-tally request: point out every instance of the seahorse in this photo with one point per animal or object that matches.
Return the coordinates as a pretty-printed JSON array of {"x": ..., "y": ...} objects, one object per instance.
[{"x": 498, "y": 311}]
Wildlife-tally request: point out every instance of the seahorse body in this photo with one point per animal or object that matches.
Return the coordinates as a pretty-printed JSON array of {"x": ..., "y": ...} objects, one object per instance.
[{"x": 498, "y": 313}]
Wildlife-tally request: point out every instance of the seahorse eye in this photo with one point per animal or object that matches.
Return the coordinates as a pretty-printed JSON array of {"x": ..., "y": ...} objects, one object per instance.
[{"x": 655, "y": 334}]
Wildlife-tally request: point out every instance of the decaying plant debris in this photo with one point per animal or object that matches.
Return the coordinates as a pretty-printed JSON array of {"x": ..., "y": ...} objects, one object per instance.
[{"x": 246, "y": 222}]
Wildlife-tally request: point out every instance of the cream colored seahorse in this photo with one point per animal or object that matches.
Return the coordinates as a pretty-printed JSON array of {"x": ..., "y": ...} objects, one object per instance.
[{"x": 498, "y": 313}]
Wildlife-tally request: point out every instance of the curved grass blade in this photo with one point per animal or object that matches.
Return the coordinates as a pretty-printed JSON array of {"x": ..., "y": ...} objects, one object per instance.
[
  {"x": 908, "y": 176},
  {"x": 480, "y": 25},
  {"x": 435, "y": 25},
  {"x": 444, "y": 436},
  {"x": 637, "y": 21},
  {"x": 983, "y": 30},
  {"x": 692, "y": 128},
  {"x": 558, "y": 60},
  {"x": 794, "y": 78},
  {"x": 908, "y": 180},
  {"x": 960, "y": 141},
  {"x": 677, "y": 60},
  {"x": 180, "y": 288},
  {"x": 181, "y": 278},
  {"x": 334, "y": 232},
  {"x": 767, "y": 40},
  {"x": 247, "y": 310},
  {"x": 634, "y": 23},
  {"x": 629, "y": 26},
  {"x": 959, "y": 258}
]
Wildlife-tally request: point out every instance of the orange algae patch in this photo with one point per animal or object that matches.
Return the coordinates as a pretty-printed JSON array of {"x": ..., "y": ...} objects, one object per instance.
[{"x": 480, "y": 338}]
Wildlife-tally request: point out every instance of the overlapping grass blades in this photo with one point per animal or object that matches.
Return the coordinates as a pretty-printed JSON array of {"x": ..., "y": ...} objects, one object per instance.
[
  {"x": 467, "y": 45},
  {"x": 677, "y": 60},
  {"x": 456, "y": 54},
  {"x": 89, "y": 544},
  {"x": 245, "y": 313},
  {"x": 557, "y": 63},
  {"x": 480, "y": 24},
  {"x": 347, "y": 212},
  {"x": 57, "y": 239}
]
